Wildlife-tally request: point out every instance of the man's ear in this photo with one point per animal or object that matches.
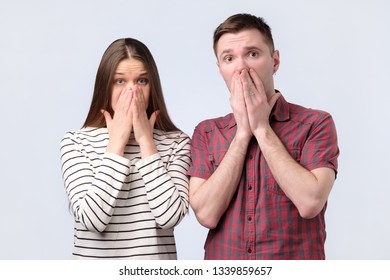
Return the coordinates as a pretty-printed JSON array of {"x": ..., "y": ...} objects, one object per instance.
[
  {"x": 276, "y": 58},
  {"x": 217, "y": 63}
]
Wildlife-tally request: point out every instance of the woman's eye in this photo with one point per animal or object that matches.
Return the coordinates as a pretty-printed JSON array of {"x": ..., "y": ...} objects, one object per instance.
[
  {"x": 143, "y": 81},
  {"x": 120, "y": 81}
]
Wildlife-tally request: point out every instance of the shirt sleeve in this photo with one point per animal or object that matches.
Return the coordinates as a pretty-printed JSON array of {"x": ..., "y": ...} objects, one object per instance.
[
  {"x": 167, "y": 185},
  {"x": 92, "y": 193},
  {"x": 321, "y": 148},
  {"x": 200, "y": 163}
]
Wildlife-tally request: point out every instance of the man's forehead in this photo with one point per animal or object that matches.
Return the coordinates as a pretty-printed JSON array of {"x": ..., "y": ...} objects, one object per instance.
[{"x": 246, "y": 39}]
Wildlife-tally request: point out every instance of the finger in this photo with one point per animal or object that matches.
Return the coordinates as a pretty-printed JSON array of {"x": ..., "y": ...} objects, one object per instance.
[
  {"x": 247, "y": 84},
  {"x": 127, "y": 96},
  {"x": 240, "y": 89},
  {"x": 134, "y": 105},
  {"x": 107, "y": 117},
  {"x": 258, "y": 84},
  {"x": 138, "y": 104},
  {"x": 232, "y": 87},
  {"x": 124, "y": 100},
  {"x": 249, "y": 89},
  {"x": 235, "y": 84},
  {"x": 273, "y": 99},
  {"x": 124, "y": 93},
  {"x": 140, "y": 99},
  {"x": 153, "y": 118}
]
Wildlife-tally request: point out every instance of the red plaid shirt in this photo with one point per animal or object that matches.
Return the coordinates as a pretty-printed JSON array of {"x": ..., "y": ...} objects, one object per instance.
[{"x": 261, "y": 222}]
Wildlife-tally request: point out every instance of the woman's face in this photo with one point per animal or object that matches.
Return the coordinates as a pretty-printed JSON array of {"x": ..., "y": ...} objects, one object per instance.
[{"x": 130, "y": 72}]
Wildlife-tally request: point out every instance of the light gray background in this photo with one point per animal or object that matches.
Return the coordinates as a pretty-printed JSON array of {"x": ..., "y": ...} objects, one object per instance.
[{"x": 334, "y": 56}]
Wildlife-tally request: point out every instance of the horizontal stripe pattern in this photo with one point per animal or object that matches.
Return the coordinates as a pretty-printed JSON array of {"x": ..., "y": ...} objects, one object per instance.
[{"x": 125, "y": 207}]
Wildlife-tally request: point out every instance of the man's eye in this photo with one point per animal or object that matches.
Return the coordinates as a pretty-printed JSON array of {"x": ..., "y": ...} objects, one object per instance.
[
  {"x": 228, "y": 58},
  {"x": 252, "y": 54}
]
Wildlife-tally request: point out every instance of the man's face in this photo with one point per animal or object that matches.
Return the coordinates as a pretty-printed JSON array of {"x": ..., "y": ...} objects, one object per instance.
[{"x": 247, "y": 49}]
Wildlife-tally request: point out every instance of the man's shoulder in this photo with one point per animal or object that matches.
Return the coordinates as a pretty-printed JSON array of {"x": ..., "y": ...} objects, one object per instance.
[
  {"x": 307, "y": 113},
  {"x": 216, "y": 123}
]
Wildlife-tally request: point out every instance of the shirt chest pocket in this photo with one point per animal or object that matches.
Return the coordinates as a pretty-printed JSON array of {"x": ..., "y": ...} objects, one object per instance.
[
  {"x": 270, "y": 183},
  {"x": 215, "y": 158},
  {"x": 295, "y": 153}
]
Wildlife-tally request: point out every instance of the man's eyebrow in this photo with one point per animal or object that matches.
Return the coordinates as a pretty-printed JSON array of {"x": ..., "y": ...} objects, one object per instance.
[
  {"x": 252, "y": 48},
  {"x": 246, "y": 48},
  {"x": 226, "y": 51}
]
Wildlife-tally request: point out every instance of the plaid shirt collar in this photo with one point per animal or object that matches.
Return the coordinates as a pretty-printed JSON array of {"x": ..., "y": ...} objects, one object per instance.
[{"x": 281, "y": 110}]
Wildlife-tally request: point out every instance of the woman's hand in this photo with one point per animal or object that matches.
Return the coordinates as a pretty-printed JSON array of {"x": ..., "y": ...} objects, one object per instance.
[
  {"x": 120, "y": 125},
  {"x": 143, "y": 127}
]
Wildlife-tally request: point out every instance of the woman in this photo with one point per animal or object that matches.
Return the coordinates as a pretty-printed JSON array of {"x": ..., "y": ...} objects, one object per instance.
[{"x": 125, "y": 170}]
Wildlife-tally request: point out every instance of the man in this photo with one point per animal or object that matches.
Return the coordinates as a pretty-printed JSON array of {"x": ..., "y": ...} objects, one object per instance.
[{"x": 261, "y": 176}]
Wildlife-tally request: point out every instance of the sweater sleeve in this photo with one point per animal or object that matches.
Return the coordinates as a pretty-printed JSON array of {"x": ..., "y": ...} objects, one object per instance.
[
  {"x": 92, "y": 193},
  {"x": 167, "y": 185}
]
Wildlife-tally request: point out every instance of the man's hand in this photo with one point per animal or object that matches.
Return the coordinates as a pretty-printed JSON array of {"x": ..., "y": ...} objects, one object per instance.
[
  {"x": 237, "y": 102},
  {"x": 258, "y": 104}
]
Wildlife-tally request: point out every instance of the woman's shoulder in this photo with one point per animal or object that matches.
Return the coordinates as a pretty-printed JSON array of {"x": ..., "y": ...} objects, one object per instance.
[
  {"x": 93, "y": 134},
  {"x": 170, "y": 136}
]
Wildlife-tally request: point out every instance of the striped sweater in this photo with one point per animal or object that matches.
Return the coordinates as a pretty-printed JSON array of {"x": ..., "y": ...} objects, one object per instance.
[{"x": 125, "y": 207}]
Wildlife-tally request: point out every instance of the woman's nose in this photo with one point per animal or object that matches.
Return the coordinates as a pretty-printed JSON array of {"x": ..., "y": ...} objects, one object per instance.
[{"x": 130, "y": 85}]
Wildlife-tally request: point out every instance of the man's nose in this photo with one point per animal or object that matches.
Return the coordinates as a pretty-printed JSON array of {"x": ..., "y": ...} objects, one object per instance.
[{"x": 241, "y": 65}]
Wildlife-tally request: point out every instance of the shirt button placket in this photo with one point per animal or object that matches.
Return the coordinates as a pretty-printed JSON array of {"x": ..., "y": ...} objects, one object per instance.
[{"x": 250, "y": 207}]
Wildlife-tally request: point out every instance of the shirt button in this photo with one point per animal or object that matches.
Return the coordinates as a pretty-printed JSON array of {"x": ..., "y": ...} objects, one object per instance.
[
  {"x": 250, "y": 157},
  {"x": 249, "y": 219},
  {"x": 250, "y": 187},
  {"x": 249, "y": 250}
]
